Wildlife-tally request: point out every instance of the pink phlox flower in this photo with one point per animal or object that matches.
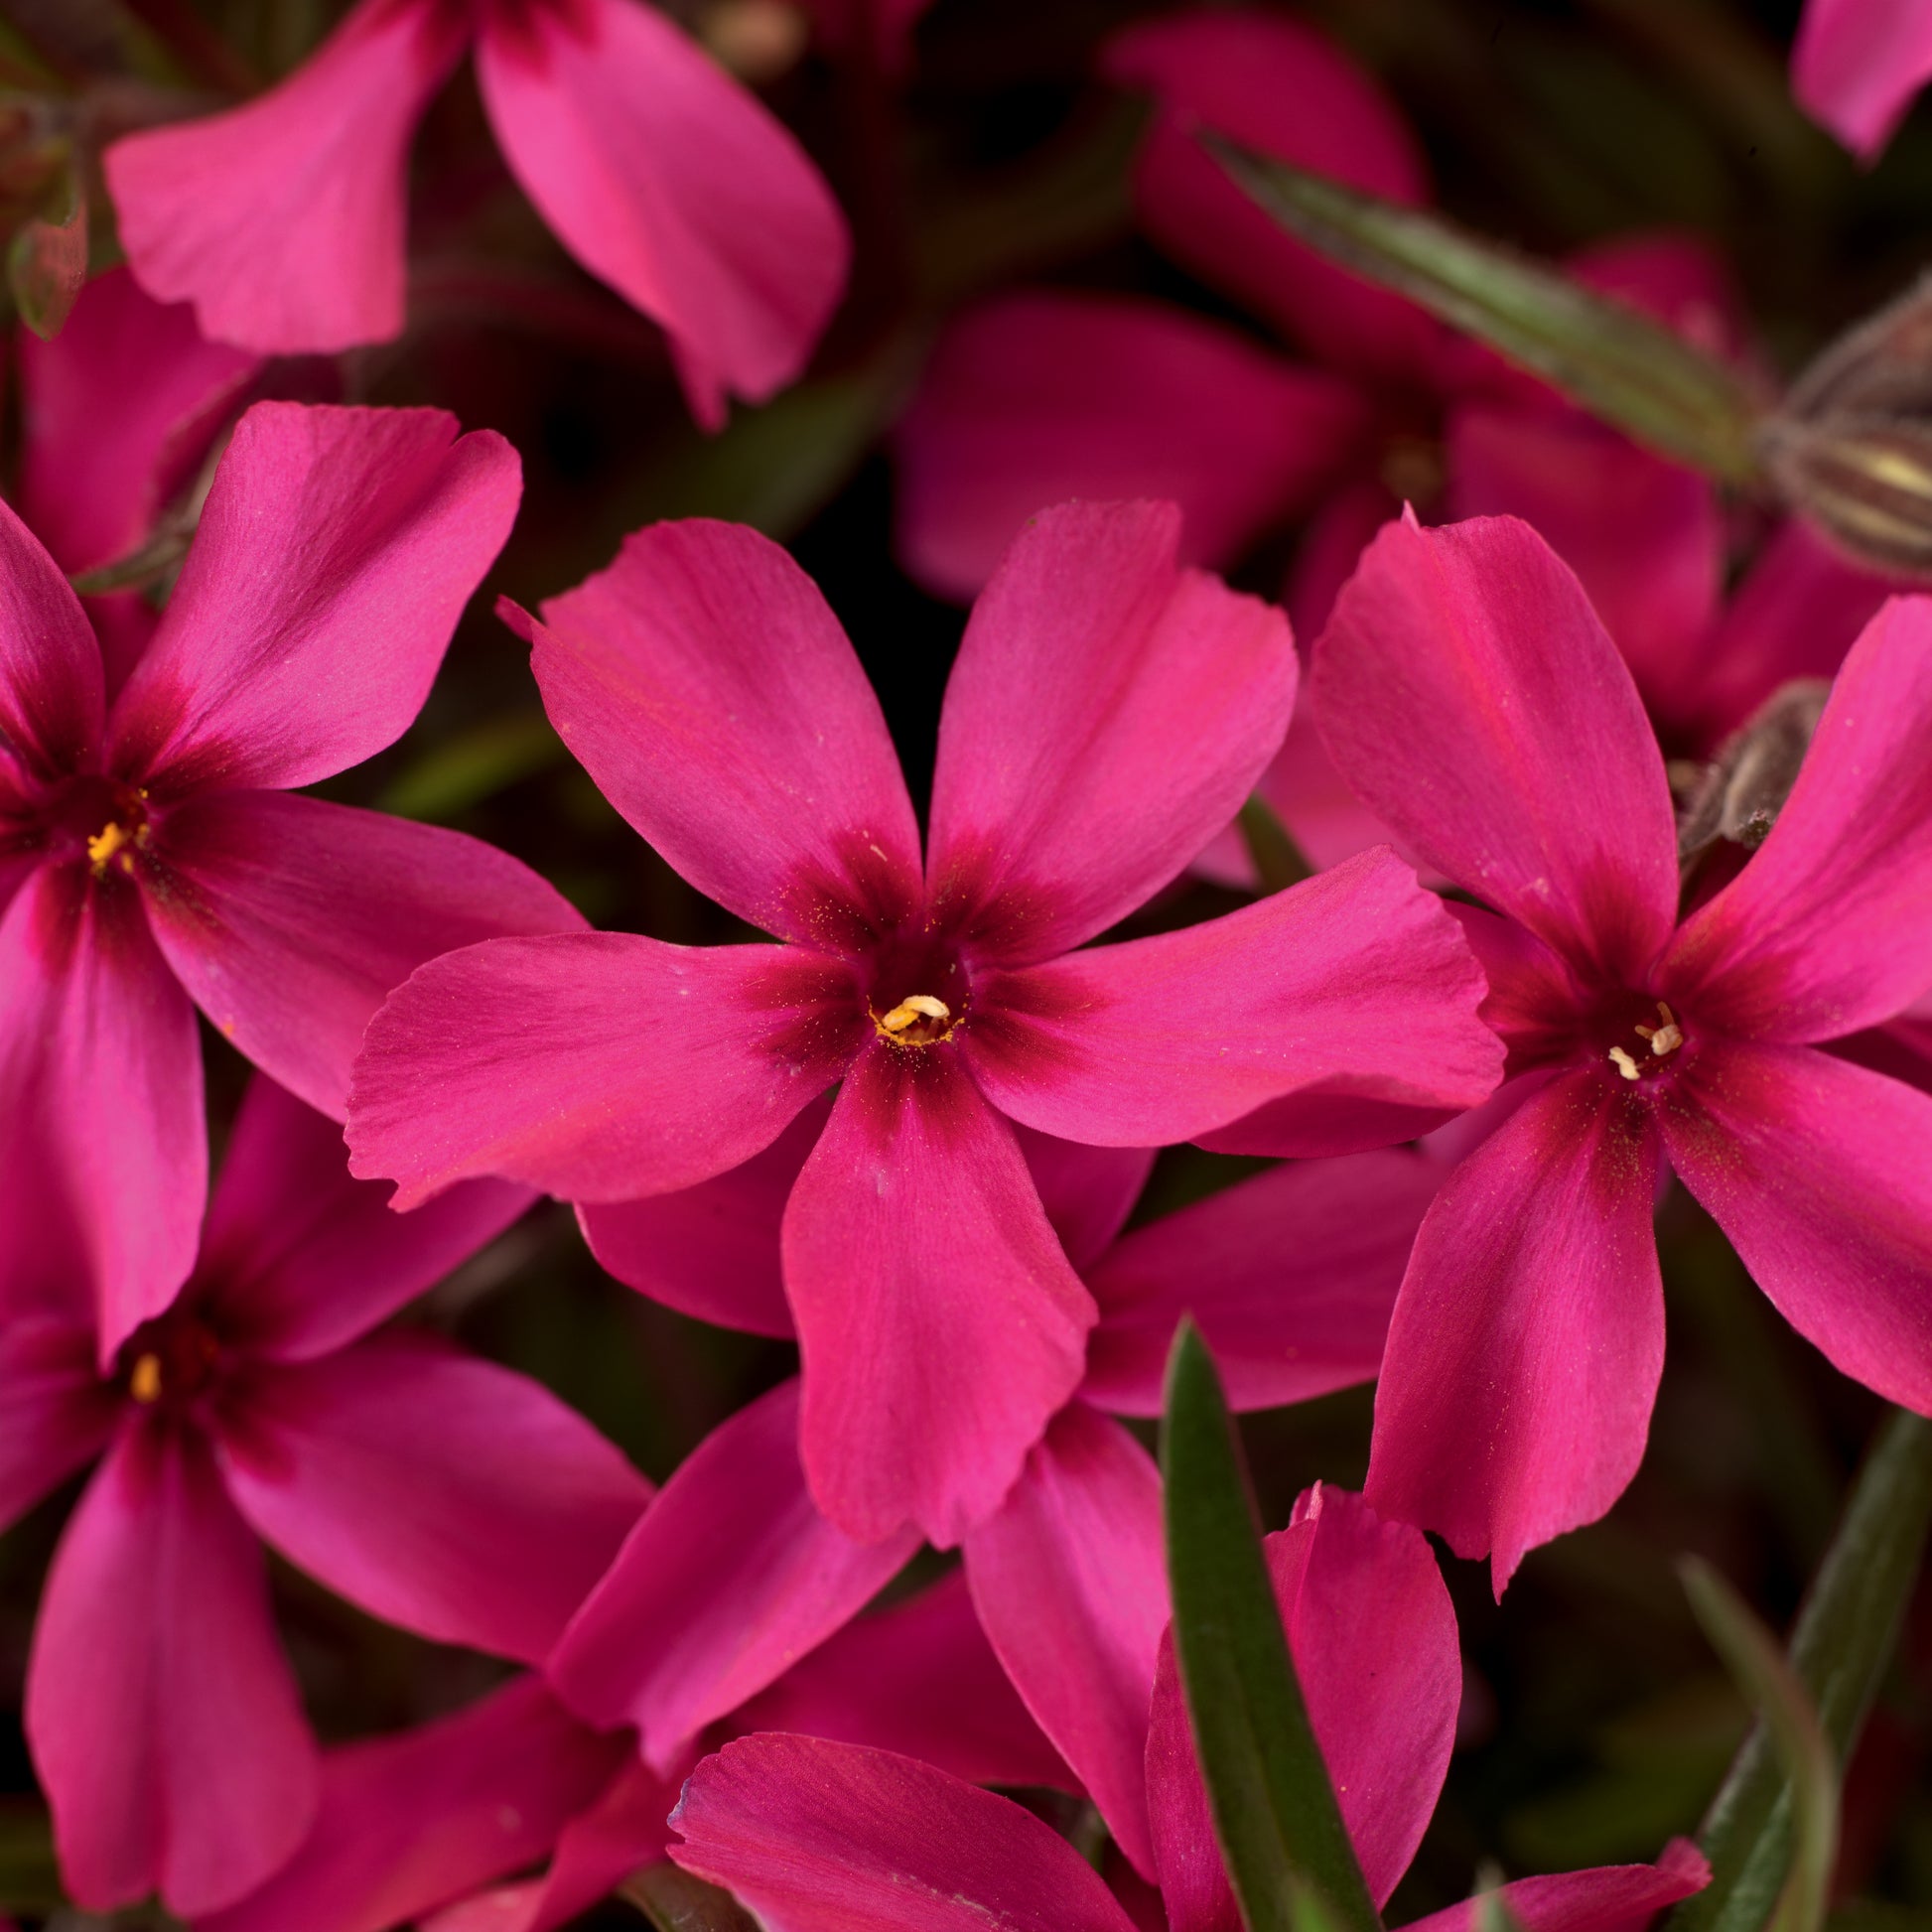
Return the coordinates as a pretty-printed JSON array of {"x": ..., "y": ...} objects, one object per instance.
[
  {"x": 1857, "y": 64},
  {"x": 1469, "y": 693},
  {"x": 152, "y": 857},
  {"x": 435, "y": 1490},
  {"x": 283, "y": 220},
  {"x": 1292, "y": 1276},
  {"x": 815, "y": 1836},
  {"x": 1106, "y": 716}
]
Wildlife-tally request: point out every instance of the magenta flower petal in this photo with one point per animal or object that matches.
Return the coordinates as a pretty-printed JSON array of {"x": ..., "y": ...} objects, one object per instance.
[
  {"x": 927, "y": 1282},
  {"x": 705, "y": 685},
  {"x": 1106, "y": 716},
  {"x": 55, "y": 1414},
  {"x": 282, "y": 219},
  {"x": 1087, "y": 1191},
  {"x": 100, "y": 1086},
  {"x": 1829, "y": 927},
  {"x": 164, "y": 1720},
  {"x": 673, "y": 183},
  {"x": 595, "y": 1065},
  {"x": 1354, "y": 985},
  {"x": 335, "y": 552},
  {"x": 300, "y": 1258},
  {"x": 1278, "y": 85},
  {"x": 1042, "y": 398},
  {"x": 712, "y": 1251},
  {"x": 1857, "y": 63},
  {"x": 1373, "y": 1638},
  {"x": 438, "y": 1492},
  {"x": 51, "y": 703},
  {"x": 289, "y": 920},
  {"x": 818, "y": 1837},
  {"x": 1816, "y": 1171},
  {"x": 1607, "y": 1898},
  {"x": 1069, "y": 1577},
  {"x": 1469, "y": 693},
  {"x": 1290, "y": 1276},
  {"x": 409, "y": 1821},
  {"x": 1529, "y": 1335},
  {"x": 919, "y": 1678},
  {"x": 730, "y": 1577}
]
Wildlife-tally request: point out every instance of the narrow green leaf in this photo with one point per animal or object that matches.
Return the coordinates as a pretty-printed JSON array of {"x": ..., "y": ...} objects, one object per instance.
[
  {"x": 1618, "y": 364},
  {"x": 1279, "y": 861},
  {"x": 1843, "y": 1641},
  {"x": 674, "y": 1901},
  {"x": 47, "y": 261},
  {"x": 1275, "y": 1814},
  {"x": 476, "y": 764},
  {"x": 1751, "y": 1655}
]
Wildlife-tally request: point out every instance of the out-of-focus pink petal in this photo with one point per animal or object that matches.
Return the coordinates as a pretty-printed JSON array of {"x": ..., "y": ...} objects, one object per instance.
[
  {"x": 919, "y": 1677},
  {"x": 1469, "y": 693},
  {"x": 732, "y": 1575},
  {"x": 1857, "y": 63},
  {"x": 101, "y": 1087},
  {"x": 712, "y": 1251},
  {"x": 939, "y": 1320},
  {"x": 1606, "y": 1898},
  {"x": 438, "y": 1492},
  {"x": 1646, "y": 537},
  {"x": 816, "y": 1836},
  {"x": 282, "y": 219},
  {"x": 705, "y": 685},
  {"x": 1106, "y": 716},
  {"x": 56, "y": 1413},
  {"x": 1041, "y": 397},
  {"x": 598, "y": 1066},
  {"x": 1087, "y": 1191},
  {"x": 669, "y": 181},
  {"x": 92, "y": 481},
  {"x": 289, "y": 920},
  {"x": 1678, "y": 277},
  {"x": 52, "y": 702},
  {"x": 1529, "y": 1335},
  {"x": 1290, "y": 1277},
  {"x": 297, "y": 1258},
  {"x": 335, "y": 554},
  {"x": 1829, "y": 927},
  {"x": 1352, "y": 985},
  {"x": 408, "y": 1822},
  {"x": 1275, "y": 85},
  {"x": 1816, "y": 1171},
  {"x": 1373, "y": 1639},
  {"x": 163, "y": 1717},
  {"x": 1069, "y": 1577}
]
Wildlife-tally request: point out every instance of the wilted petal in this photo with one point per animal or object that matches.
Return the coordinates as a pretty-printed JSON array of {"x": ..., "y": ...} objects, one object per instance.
[
  {"x": 1290, "y": 1277},
  {"x": 1469, "y": 693},
  {"x": 817, "y": 1837},
  {"x": 1607, "y": 1898},
  {"x": 1529, "y": 1335},
  {"x": 438, "y": 1492},
  {"x": 941, "y": 1323},
  {"x": 1354, "y": 987},
  {"x": 163, "y": 1717},
  {"x": 705, "y": 684},
  {"x": 1042, "y": 398},
  {"x": 1857, "y": 63},
  {"x": 1070, "y": 1577},
  {"x": 670, "y": 182},
  {"x": 335, "y": 554},
  {"x": 596, "y": 1066},
  {"x": 1106, "y": 716},
  {"x": 282, "y": 219},
  {"x": 731, "y": 1577}
]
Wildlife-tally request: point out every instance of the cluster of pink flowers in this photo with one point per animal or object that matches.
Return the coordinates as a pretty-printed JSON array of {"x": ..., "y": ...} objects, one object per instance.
[{"x": 907, "y": 1123}]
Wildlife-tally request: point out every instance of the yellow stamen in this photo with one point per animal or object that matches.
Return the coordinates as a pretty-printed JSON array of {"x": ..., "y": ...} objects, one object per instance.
[
  {"x": 908, "y": 1013},
  {"x": 1666, "y": 1038},
  {"x": 1625, "y": 1066},
  {"x": 105, "y": 844},
  {"x": 144, "y": 1384}
]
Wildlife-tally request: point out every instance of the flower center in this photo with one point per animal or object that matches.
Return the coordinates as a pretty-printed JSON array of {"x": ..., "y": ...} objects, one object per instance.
[
  {"x": 917, "y": 1021},
  {"x": 1654, "y": 1043},
  {"x": 170, "y": 1360},
  {"x": 105, "y": 821},
  {"x": 918, "y": 989}
]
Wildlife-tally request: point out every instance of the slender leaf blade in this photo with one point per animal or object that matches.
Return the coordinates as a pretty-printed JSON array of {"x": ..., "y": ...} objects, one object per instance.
[
  {"x": 1276, "y": 1818},
  {"x": 674, "y": 1901}
]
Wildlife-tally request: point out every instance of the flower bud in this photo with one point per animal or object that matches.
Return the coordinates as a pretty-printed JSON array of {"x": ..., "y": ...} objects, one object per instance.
[{"x": 1739, "y": 794}]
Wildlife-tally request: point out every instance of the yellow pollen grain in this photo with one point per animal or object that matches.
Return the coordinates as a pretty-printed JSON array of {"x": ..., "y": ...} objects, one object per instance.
[
  {"x": 1625, "y": 1066},
  {"x": 144, "y": 1384},
  {"x": 908, "y": 1013},
  {"x": 105, "y": 844}
]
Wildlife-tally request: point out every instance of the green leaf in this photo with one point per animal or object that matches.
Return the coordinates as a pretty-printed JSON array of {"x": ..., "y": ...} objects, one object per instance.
[
  {"x": 1603, "y": 354},
  {"x": 1751, "y": 1655},
  {"x": 1275, "y": 1814},
  {"x": 1843, "y": 1638},
  {"x": 47, "y": 261},
  {"x": 674, "y": 1901},
  {"x": 1279, "y": 861},
  {"x": 29, "y": 1874},
  {"x": 474, "y": 765}
]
